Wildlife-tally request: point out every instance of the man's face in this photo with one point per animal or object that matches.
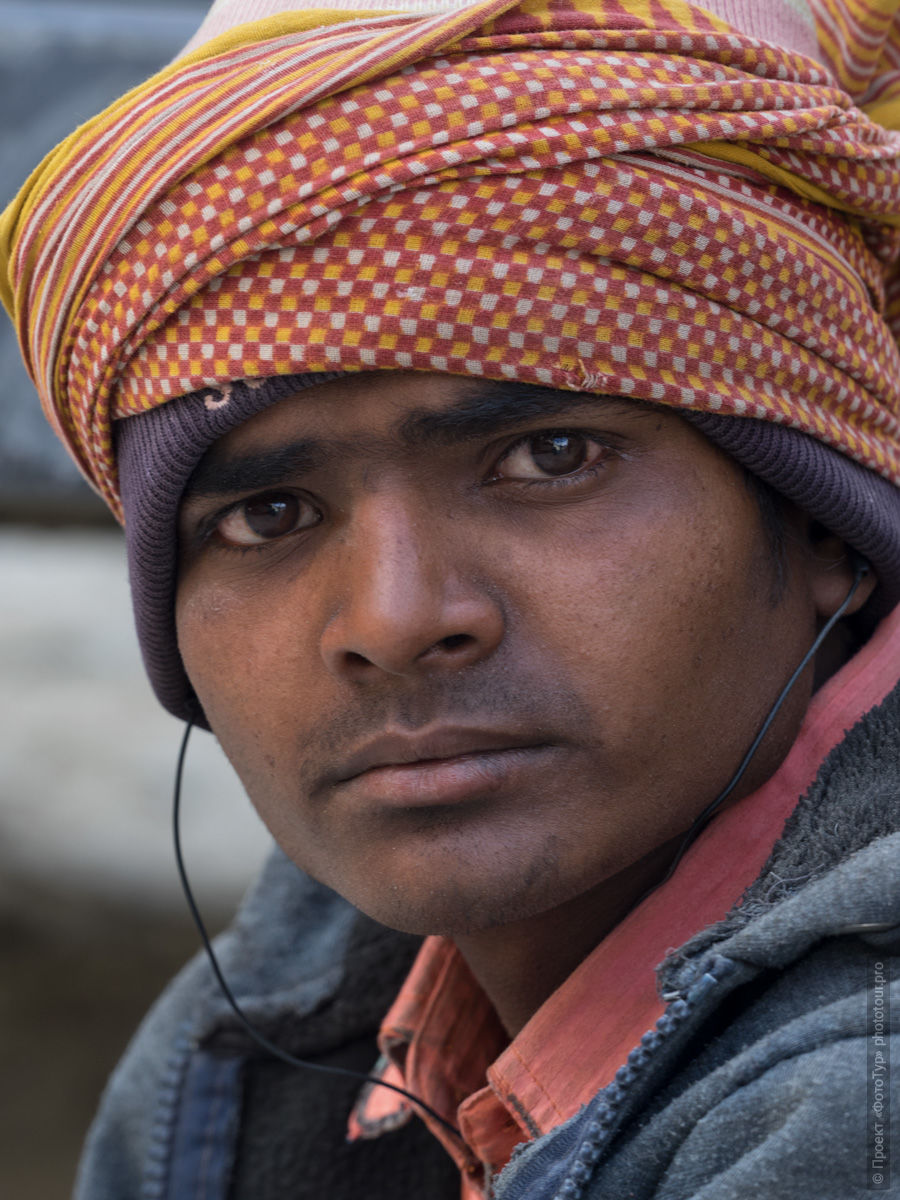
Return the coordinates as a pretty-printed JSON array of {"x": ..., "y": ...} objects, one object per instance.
[{"x": 475, "y": 649}]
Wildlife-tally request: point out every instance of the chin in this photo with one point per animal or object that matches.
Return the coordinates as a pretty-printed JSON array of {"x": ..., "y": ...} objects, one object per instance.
[
  {"x": 451, "y": 877},
  {"x": 457, "y": 904},
  {"x": 447, "y": 915}
]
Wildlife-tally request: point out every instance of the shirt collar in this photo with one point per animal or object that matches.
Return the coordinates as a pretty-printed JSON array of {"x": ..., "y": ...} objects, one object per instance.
[{"x": 442, "y": 1040}]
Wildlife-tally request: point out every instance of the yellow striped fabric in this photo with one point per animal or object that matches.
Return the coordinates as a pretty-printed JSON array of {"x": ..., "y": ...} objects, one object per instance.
[{"x": 623, "y": 196}]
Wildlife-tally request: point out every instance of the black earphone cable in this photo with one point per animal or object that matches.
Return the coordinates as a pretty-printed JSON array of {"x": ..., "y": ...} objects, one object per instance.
[
  {"x": 699, "y": 824},
  {"x": 861, "y": 570},
  {"x": 254, "y": 1033}
]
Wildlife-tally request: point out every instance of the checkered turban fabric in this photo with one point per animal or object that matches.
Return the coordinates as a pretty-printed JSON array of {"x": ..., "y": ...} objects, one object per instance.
[{"x": 620, "y": 196}]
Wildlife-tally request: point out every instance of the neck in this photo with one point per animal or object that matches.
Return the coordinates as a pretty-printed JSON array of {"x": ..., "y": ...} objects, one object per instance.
[{"x": 520, "y": 965}]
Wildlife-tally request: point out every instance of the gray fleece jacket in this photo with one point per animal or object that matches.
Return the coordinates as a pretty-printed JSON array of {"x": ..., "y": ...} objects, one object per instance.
[{"x": 774, "y": 1071}]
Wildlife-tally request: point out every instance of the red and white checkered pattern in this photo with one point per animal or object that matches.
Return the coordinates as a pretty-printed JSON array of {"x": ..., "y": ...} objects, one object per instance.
[{"x": 644, "y": 211}]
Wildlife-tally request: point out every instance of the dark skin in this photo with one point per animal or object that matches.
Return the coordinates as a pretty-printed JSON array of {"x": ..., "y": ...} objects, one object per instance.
[{"x": 480, "y": 654}]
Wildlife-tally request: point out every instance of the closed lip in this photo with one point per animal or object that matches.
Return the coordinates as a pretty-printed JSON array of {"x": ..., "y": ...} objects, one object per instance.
[{"x": 433, "y": 744}]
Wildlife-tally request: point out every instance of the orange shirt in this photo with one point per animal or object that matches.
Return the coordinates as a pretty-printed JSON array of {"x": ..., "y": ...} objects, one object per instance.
[{"x": 443, "y": 1041}]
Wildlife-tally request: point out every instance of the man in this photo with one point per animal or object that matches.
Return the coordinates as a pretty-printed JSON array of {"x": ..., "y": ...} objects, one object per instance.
[{"x": 502, "y": 405}]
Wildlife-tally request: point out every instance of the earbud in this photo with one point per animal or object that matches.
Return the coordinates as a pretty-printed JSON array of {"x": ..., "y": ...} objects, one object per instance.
[{"x": 861, "y": 566}]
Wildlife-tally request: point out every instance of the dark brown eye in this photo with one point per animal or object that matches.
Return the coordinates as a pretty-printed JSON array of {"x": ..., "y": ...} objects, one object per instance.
[
  {"x": 543, "y": 455},
  {"x": 271, "y": 518},
  {"x": 266, "y": 518},
  {"x": 558, "y": 453}
]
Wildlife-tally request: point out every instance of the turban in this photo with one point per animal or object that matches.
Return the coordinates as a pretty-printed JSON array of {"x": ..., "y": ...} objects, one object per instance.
[
  {"x": 619, "y": 196},
  {"x": 632, "y": 197}
]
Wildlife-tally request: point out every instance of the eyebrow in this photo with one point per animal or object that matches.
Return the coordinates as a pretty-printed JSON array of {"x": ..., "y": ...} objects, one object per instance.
[
  {"x": 219, "y": 474},
  {"x": 495, "y": 407},
  {"x": 490, "y": 408}
]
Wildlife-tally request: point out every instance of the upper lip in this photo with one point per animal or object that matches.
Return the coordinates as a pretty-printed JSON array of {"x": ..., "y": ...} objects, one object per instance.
[{"x": 446, "y": 741}]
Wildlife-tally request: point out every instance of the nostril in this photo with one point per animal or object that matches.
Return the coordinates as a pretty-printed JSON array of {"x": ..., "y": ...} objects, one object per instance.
[
  {"x": 454, "y": 641},
  {"x": 451, "y": 644}
]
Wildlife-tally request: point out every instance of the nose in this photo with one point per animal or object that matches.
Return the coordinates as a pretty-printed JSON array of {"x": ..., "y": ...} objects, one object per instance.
[{"x": 410, "y": 598}]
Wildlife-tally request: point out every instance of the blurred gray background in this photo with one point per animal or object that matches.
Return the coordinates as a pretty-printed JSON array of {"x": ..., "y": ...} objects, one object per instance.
[{"x": 91, "y": 919}]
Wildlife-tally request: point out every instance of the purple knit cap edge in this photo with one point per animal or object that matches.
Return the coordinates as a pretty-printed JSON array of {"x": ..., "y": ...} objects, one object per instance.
[{"x": 157, "y": 452}]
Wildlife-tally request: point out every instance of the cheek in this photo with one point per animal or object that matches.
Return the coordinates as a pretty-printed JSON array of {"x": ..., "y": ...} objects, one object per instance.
[
  {"x": 211, "y": 637},
  {"x": 663, "y": 627},
  {"x": 241, "y": 659},
  {"x": 628, "y": 609},
  {"x": 241, "y": 654}
]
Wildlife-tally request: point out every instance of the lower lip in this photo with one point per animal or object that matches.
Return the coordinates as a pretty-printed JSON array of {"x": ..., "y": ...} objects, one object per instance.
[{"x": 438, "y": 781}]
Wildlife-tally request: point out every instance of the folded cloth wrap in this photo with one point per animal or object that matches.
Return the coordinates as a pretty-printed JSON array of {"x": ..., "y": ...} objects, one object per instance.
[{"x": 621, "y": 196}]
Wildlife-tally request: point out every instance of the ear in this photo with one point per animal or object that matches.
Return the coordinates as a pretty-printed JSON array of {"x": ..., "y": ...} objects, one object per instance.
[{"x": 833, "y": 569}]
